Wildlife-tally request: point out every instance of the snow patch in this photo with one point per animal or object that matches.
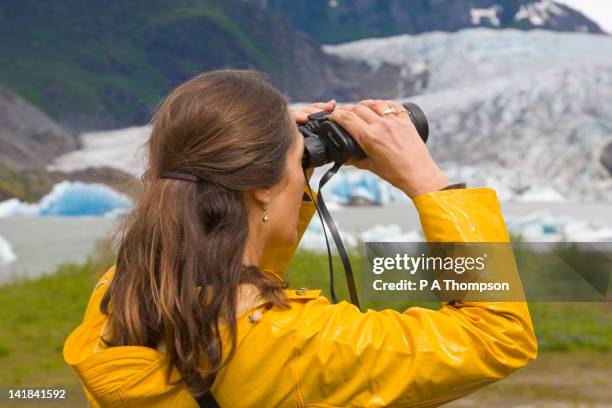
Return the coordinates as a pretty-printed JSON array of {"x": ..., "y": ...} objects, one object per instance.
[
  {"x": 478, "y": 14},
  {"x": 71, "y": 198},
  {"x": 538, "y": 13}
]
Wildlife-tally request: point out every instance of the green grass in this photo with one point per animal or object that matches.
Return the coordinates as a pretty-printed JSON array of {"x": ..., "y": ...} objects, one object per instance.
[{"x": 37, "y": 315}]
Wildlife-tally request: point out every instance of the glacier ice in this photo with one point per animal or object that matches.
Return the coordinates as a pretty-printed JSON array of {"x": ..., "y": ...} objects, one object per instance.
[
  {"x": 524, "y": 112},
  {"x": 123, "y": 149},
  {"x": 529, "y": 109},
  {"x": 6, "y": 252},
  {"x": 71, "y": 198}
]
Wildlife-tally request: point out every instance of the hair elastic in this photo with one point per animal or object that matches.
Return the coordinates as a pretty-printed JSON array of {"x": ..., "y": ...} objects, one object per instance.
[{"x": 179, "y": 176}]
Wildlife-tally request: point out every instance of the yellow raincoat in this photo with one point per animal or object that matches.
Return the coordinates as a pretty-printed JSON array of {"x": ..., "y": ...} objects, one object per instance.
[{"x": 318, "y": 354}]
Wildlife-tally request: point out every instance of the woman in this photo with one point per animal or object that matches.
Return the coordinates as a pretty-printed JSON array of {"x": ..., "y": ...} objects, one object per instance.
[{"x": 197, "y": 300}]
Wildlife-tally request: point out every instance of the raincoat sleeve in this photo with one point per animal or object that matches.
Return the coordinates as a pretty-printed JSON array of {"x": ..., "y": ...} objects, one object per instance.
[
  {"x": 421, "y": 357},
  {"x": 277, "y": 258}
]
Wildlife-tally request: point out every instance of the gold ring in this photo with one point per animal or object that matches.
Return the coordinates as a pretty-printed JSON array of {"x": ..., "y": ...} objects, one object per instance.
[{"x": 390, "y": 109}]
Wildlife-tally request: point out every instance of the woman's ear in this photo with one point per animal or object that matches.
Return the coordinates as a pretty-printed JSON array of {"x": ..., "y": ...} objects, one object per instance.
[{"x": 260, "y": 197}]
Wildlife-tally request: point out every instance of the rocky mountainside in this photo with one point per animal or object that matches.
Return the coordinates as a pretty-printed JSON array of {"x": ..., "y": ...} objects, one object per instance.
[
  {"x": 29, "y": 141},
  {"x": 93, "y": 65},
  {"x": 511, "y": 109},
  {"x": 336, "y": 21},
  {"x": 28, "y": 138}
]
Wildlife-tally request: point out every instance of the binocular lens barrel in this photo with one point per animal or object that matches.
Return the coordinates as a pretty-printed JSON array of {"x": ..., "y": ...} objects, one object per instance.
[{"x": 326, "y": 141}]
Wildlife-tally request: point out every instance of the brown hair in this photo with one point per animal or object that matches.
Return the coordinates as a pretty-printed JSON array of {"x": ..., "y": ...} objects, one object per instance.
[{"x": 180, "y": 254}]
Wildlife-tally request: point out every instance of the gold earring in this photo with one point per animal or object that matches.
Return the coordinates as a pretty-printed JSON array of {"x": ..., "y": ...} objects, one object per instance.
[{"x": 265, "y": 216}]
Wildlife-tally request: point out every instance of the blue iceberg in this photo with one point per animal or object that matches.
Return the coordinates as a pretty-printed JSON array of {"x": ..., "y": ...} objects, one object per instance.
[
  {"x": 71, "y": 198},
  {"x": 350, "y": 186}
]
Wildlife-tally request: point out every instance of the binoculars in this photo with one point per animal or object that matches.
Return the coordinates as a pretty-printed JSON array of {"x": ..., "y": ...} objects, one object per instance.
[{"x": 326, "y": 141}]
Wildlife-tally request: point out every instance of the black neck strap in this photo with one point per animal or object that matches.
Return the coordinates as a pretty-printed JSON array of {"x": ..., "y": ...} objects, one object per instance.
[
  {"x": 207, "y": 401},
  {"x": 326, "y": 218}
]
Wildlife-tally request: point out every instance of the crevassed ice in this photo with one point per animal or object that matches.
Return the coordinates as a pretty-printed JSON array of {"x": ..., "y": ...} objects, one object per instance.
[{"x": 530, "y": 110}]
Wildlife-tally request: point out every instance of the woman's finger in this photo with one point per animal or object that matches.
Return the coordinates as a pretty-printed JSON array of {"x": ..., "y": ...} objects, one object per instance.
[
  {"x": 347, "y": 106},
  {"x": 299, "y": 117},
  {"x": 311, "y": 110},
  {"x": 353, "y": 124},
  {"x": 377, "y": 105},
  {"x": 327, "y": 106},
  {"x": 366, "y": 113}
]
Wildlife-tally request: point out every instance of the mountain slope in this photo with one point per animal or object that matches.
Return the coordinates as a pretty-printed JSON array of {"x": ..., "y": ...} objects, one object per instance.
[
  {"x": 30, "y": 140},
  {"x": 94, "y": 65},
  {"x": 336, "y": 21}
]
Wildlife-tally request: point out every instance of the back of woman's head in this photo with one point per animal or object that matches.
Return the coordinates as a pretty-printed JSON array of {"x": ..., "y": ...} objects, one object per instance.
[{"x": 181, "y": 249}]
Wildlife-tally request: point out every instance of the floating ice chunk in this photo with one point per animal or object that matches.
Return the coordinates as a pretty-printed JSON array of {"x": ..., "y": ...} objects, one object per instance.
[
  {"x": 14, "y": 207},
  {"x": 390, "y": 233},
  {"x": 541, "y": 226},
  {"x": 541, "y": 195},
  {"x": 6, "y": 252},
  {"x": 71, "y": 198},
  {"x": 349, "y": 186},
  {"x": 314, "y": 238}
]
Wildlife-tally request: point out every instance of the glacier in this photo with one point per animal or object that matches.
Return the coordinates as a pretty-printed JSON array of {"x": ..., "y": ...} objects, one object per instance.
[
  {"x": 123, "y": 149},
  {"x": 71, "y": 198},
  {"x": 522, "y": 110},
  {"x": 525, "y": 112}
]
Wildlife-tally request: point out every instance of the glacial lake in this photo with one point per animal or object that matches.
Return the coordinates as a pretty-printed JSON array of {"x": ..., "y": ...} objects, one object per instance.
[{"x": 42, "y": 243}]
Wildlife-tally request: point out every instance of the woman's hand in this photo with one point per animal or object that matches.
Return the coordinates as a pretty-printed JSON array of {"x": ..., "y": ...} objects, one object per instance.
[
  {"x": 301, "y": 115},
  {"x": 394, "y": 148}
]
